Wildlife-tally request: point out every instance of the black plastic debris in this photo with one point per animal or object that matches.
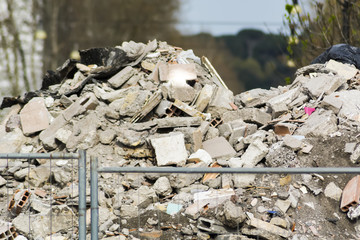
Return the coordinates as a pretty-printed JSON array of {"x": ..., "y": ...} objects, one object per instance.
[
  {"x": 67, "y": 70},
  {"x": 109, "y": 60},
  {"x": 344, "y": 53}
]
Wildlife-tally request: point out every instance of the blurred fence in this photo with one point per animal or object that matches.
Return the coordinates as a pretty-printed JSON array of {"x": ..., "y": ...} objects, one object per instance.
[
  {"x": 34, "y": 205},
  {"x": 138, "y": 226}
]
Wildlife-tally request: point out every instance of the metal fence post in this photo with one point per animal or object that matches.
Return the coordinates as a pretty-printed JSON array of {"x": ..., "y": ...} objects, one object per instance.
[
  {"x": 94, "y": 198},
  {"x": 82, "y": 195}
]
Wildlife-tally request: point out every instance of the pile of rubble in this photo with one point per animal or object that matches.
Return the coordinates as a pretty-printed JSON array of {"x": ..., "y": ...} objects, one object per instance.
[{"x": 153, "y": 104}]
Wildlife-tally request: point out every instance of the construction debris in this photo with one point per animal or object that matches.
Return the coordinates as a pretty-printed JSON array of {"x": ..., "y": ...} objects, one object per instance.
[{"x": 145, "y": 105}]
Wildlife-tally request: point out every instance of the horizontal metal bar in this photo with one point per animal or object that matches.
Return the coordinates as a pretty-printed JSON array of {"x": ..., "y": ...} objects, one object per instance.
[
  {"x": 39, "y": 155},
  {"x": 319, "y": 170}
]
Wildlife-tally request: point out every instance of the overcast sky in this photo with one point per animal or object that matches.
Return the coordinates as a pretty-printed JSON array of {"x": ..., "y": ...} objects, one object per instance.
[{"x": 220, "y": 17}]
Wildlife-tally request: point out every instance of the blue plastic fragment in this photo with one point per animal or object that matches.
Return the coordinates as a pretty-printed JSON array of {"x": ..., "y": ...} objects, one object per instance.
[{"x": 173, "y": 208}]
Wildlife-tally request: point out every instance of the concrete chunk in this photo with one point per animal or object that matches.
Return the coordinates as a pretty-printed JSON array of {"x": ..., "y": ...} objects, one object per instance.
[
  {"x": 283, "y": 205},
  {"x": 177, "y": 122},
  {"x": 320, "y": 124},
  {"x": 47, "y": 136},
  {"x": 220, "y": 102},
  {"x": 87, "y": 102},
  {"x": 286, "y": 97},
  {"x": 292, "y": 142},
  {"x": 254, "y": 115},
  {"x": 256, "y": 151},
  {"x": 34, "y": 116},
  {"x": 333, "y": 191},
  {"x": 201, "y": 155},
  {"x": 278, "y": 109},
  {"x": 332, "y": 103},
  {"x": 254, "y": 97},
  {"x": 269, "y": 227},
  {"x": 350, "y": 147},
  {"x": 204, "y": 97},
  {"x": 350, "y": 101},
  {"x": 323, "y": 83},
  {"x": 121, "y": 77},
  {"x": 341, "y": 69},
  {"x": 131, "y": 101},
  {"x": 219, "y": 147},
  {"x": 162, "y": 186},
  {"x": 170, "y": 149}
]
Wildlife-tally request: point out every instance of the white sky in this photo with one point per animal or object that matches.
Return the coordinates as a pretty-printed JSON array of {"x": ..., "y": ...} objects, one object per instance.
[{"x": 220, "y": 17}]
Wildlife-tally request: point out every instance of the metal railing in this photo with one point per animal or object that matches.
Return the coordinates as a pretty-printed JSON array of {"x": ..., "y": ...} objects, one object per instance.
[
  {"x": 81, "y": 157},
  {"x": 95, "y": 170}
]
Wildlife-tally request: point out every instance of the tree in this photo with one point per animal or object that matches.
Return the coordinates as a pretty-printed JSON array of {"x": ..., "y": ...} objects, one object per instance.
[
  {"x": 20, "y": 46},
  {"x": 259, "y": 59},
  {"x": 74, "y": 25},
  {"x": 330, "y": 22}
]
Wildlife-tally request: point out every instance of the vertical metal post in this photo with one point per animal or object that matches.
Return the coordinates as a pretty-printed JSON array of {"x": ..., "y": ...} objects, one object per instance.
[
  {"x": 94, "y": 198},
  {"x": 82, "y": 195}
]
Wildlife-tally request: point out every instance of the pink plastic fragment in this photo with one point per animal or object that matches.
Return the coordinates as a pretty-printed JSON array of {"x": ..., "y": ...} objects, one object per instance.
[{"x": 309, "y": 110}]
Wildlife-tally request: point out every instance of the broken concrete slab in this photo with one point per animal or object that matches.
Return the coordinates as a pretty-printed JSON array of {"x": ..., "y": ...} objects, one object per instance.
[
  {"x": 34, "y": 116},
  {"x": 355, "y": 155},
  {"x": 323, "y": 83},
  {"x": 47, "y": 136},
  {"x": 283, "y": 205},
  {"x": 281, "y": 156},
  {"x": 189, "y": 110},
  {"x": 333, "y": 191},
  {"x": 84, "y": 133},
  {"x": 220, "y": 103},
  {"x": 233, "y": 214},
  {"x": 131, "y": 138},
  {"x": 184, "y": 93},
  {"x": 257, "y": 223},
  {"x": 86, "y": 102},
  {"x": 278, "y": 109},
  {"x": 201, "y": 155},
  {"x": 332, "y": 103},
  {"x": 219, "y": 148},
  {"x": 292, "y": 142},
  {"x": 344, "y": 70},
  {"x": 254, "y": 97},
  {"x": 61, "y": 216},
  {"x": 286, "y": 97},
  {"x": 121, "y": 77},
  {"x": 350, "y": 147},
  {"x": 248, "y": 115},
  {"x": 170, "y": 149},
  {"x": 12, "y": 141},
  {"x": 37, "y": 177},
  {"x": 256, "y": 151},
  {"x": 320, "y": 124},
  {"x": 162, "y": 186},
  {"x": 350, "y": 101},
  {"x": 131, "y": 101},
  {"x": 204, "y": 97},
  {"x": 180, "y": 181}
]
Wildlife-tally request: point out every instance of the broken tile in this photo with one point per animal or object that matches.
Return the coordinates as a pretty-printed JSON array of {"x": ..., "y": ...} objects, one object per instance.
[
  {"x": 170, "y": 149},
  {"x": 34, "y": 116},
  {"x": 218, "y": 147}
]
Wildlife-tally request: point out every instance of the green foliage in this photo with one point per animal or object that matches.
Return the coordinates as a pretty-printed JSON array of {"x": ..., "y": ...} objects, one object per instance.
[
  {"x": 259, "y": 58},
  {"x": 287, "y": 80},
  {"x": 328, "y": 22},
  {"x": 289, "y": 8}
]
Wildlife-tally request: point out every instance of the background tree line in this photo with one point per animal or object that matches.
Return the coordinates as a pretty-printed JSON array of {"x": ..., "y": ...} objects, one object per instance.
[{"x": 41, "y": 39}]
